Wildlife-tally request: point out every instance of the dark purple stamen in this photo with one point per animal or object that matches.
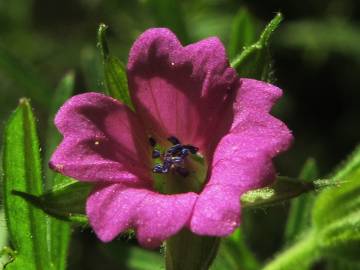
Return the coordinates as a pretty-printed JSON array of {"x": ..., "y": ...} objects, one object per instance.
[
  {"x": 192, "y": 149},
  {"x": 155, "y": 153},
  {"x": 158, "y": 168},
  {"x": 173, "y": 150},
  {"x": 174, "y": 157},
  {"x": 152, "y": 141},
  {"x": 173, "y": 140}
]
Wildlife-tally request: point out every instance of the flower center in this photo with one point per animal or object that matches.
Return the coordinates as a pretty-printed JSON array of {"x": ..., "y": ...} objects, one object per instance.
[{"x": 174, "y": 158}]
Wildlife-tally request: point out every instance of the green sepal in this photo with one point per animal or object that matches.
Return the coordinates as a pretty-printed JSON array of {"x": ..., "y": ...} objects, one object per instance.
[
  {"x": 284, "y": 188},
  {"x": 254, "y": 61},
  {"x": 115, "y": 77},
  {"x": 186, "y": 250},
  {"x": 66, "y": 202}
]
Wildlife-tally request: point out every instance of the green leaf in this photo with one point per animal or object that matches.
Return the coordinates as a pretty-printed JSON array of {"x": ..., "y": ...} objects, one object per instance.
[
  {"x": 341, "y": 238},
  {"x": 336, "y": 213},
  {"x": 22, "y": 171},
  {"x": 299, "y": 256},
  {"x": 66, "y": 202},
  {"x": 178, "y": 256},
  {"x": 25, "y": 78},
  {"x": 114, "y": 71},
  {"x": 63, "y": 92},
  {"x": 169, "y": 13},
  {"x": 243, "y": 32},
  {"x": 334, "y": 203},
  {"x": 299, "y": 218},
  {"x": 254, "y": 61}
]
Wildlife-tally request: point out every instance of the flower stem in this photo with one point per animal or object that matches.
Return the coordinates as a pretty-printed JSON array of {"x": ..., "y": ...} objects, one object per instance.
[
  {"x": 298, "y": 256},
  {"x": 189, "y": 251}
]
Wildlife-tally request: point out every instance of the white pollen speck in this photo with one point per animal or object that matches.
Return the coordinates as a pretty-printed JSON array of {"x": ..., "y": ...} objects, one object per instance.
[
  {"x": 172, "y": 64},
  {"x": 59, "y": 167},
  {"x": 96, "y": 142}
]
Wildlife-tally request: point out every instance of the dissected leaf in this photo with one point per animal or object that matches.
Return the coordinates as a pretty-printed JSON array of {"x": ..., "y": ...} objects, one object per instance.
[{"x": 22, "y": 171}]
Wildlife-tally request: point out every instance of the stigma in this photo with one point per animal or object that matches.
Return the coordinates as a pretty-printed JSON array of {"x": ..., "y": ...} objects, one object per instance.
[{"x": 173, "y": 159}]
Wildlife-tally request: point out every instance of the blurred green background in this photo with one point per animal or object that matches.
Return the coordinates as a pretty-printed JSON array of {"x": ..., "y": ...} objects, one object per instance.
[{"x": 316, "y": 60}]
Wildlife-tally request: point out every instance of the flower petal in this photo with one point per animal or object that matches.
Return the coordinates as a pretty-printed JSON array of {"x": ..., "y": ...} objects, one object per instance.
[
  {"x": 103, "y": 141},
  {"x": 114, "y": 208},
  {"x": 180, "y": 91},
  {"x": 242, "y": 160}
]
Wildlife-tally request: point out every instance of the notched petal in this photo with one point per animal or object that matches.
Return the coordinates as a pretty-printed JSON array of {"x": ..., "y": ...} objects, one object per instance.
[
  {"x": 180, "y": 91},
  {"x": 112, "y": 209},
  {"x": 103, "y": 141}
]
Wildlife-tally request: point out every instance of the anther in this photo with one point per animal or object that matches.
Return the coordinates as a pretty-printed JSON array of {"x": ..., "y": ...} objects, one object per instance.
[
  {"x": 158, "y": 168},
  {"x": 192, "y": 149},
  {"x": 155, "y": 153},
  {"x": 174, "y": 158},
  {"x": 152, "y": 141},
  {"x": 175, "y": 149},
  {"x": 184, "y": 152},
  {"x": 173, "y": 140}
]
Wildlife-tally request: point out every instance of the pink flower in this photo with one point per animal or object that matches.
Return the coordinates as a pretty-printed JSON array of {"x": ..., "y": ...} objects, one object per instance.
[{"x": 186, "y": 96}]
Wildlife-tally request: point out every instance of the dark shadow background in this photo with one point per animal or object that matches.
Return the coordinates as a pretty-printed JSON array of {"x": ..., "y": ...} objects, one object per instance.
[{"x": 316, "y": 53}]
